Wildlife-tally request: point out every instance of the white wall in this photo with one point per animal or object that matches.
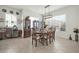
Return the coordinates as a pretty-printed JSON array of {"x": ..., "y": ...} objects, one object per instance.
[
  {"x": 27, "y": 12},
  {"x": 71, "y": 20}
]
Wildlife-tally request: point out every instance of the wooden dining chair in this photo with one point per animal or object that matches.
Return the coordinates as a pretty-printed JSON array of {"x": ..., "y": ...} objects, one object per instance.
[
  {"x": 44, "y": 38},
  {"x": 50, "y": 37},
  {"x": 53, "y": 35},
  {"x": 36, "y": 38}
]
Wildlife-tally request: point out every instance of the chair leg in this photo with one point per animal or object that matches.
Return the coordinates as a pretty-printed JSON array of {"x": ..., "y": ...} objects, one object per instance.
[
  {"x": 46, "y": 42},
  {"x": 50, "y": 40},
  {"x": 39, "y": 40},
  {"x": 54, "y": 38},
  {"x": 42, "y": 41},
  {"x": 32, "y": 41},
  {"x": 35, "y": 43}
]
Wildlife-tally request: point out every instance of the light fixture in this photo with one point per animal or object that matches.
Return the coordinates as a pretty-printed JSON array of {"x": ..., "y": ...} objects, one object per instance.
[
  {"x": 4, "y": 10},
  {"x": 17, "y": 13},
  {"x": 47, "y": 13},
  {"x": 11, "y": 12}
]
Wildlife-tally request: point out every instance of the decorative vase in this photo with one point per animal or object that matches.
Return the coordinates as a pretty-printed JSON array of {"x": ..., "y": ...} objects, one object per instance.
[{"x": 70, "y": 38}]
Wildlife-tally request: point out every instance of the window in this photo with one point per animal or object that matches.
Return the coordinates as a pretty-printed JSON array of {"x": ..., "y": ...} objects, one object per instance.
[
  {"x": 11, "y": 20},
  {"x": 60, "y": 22},
  {"x": 57, "y": 21}
]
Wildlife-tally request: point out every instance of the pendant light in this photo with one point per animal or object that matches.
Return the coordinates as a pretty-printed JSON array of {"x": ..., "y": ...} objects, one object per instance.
[{"x": 47, "y": 12}]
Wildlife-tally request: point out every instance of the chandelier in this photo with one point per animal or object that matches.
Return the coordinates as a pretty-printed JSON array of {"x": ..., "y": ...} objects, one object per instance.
[{"x": 47, "y": 12}]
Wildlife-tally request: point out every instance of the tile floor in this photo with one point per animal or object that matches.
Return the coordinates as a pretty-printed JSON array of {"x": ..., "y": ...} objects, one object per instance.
[{"x": 24, "y": 45}]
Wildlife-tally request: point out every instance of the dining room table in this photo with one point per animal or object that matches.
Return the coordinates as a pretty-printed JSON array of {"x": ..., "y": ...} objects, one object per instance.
[{"x": 44, "y": 36}]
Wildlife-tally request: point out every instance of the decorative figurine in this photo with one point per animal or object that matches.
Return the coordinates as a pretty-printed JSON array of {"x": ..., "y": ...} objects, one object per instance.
[{"x": 76, "y": 35}]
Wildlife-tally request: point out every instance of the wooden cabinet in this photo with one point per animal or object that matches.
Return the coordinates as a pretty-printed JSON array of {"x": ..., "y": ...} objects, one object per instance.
[
  {"x": 27, "y": 29},
  {"x": 27, "y": 33},
  {"x": 8, "y": 32},
  {"x": 2, "y": 34},
  {"x": 19, "y": 33}
]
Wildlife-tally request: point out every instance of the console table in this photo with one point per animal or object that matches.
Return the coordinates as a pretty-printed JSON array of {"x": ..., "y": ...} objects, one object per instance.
[{"x": 2, "y": 35}]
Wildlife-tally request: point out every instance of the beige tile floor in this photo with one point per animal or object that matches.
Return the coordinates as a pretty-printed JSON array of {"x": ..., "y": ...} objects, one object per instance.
[{"x": 24, "y": 45}]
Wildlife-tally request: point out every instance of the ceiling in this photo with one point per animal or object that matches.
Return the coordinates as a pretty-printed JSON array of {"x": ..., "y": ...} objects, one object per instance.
[{"x": 37, "y": 8}]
